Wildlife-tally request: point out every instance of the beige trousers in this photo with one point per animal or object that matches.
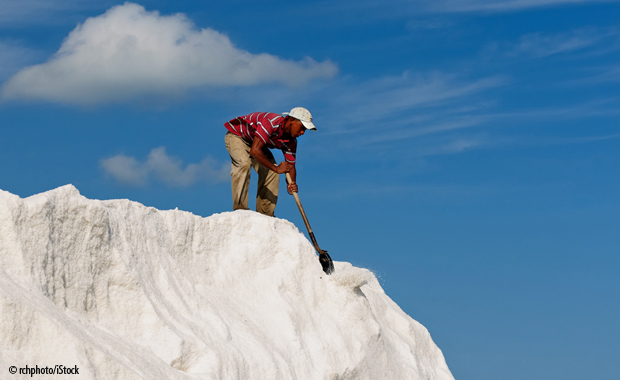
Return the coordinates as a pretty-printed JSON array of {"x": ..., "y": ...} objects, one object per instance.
[{"x": 241, "y": 164}]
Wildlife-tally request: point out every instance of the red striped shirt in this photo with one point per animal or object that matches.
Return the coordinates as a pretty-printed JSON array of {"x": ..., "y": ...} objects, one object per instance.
[{"x": 268, "y": 127}]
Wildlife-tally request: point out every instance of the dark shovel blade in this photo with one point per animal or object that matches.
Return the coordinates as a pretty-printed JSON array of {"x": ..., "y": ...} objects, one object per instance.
[{"x": 326, "y": 262}]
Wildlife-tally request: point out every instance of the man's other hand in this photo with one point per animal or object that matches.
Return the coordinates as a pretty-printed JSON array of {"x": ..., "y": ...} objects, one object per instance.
[
  {"x": 292, "y": 188},
  {"x": 284, "y": 167}
]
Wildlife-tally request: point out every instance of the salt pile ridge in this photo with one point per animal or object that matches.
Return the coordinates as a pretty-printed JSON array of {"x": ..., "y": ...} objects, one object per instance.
[{"x": 124, "y": 291}]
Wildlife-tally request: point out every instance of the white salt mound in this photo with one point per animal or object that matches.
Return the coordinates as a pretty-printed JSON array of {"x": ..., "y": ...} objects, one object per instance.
[{"x": 124, "y": 291}]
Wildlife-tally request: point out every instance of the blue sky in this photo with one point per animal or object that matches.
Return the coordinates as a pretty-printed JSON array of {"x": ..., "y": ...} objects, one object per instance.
[{"x": 467, "y": 151}]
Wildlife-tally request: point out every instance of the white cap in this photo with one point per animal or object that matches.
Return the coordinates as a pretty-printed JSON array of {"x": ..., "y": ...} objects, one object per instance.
[{"x": 303, "y": 115}]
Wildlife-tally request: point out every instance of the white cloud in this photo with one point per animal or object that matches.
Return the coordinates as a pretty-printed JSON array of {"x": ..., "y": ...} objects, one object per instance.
[
  {"x": 164, "y": 168},
  {"x": 12, "y": 57},
  {"x": 128, "y": 53}
]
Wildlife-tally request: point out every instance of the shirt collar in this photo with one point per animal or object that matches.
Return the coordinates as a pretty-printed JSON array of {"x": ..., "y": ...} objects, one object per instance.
[{"x": 281, "y": 132}]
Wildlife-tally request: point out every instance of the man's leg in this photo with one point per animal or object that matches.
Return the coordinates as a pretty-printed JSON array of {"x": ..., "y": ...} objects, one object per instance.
[
  {"x": 268, "y": 185},
  {"x": 241, "y": 164}
]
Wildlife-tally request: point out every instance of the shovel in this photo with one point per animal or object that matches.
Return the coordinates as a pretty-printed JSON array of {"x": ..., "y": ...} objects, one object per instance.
[{"x": 324, "y": 259}]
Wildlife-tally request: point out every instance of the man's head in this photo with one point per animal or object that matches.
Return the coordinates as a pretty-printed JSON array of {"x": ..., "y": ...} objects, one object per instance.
[
  {"x": 303, "y": 115},
  {"x": 293, "y": 127}
]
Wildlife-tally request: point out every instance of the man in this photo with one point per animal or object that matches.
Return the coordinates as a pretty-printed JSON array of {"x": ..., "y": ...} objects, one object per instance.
[{"x": 248, "y": 141}]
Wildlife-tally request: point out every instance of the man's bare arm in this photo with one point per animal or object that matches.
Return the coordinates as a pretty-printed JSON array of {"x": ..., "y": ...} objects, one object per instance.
[{"x": 256, "y": 151}]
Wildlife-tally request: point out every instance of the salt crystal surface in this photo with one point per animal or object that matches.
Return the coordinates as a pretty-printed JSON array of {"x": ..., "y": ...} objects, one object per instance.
[{"x": 124, "y": 291}]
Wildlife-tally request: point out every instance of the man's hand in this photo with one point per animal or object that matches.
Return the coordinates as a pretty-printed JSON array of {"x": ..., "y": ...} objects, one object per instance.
[
  {"x": 292, "y": 188},
  {"x": 284, "y": 167},
  {"x": 256, "y": 151}
]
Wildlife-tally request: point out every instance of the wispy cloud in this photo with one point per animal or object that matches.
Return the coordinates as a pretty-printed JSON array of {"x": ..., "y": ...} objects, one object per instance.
[
  {"x": 538, "y": 45},
  {"x": 441, "y": 114},
  {"x": 587, "y": 139},
  {"x": 600, "y": 75},
  {"x": 445, "y": 139},
  {"x": 364, "y": 11},
  {"x": 164, "y": 168},
  {"x": 411, "y": 115},
  {"x": 454, "y": 146},
  {"x": 27, "y": 12},
  {"x": 429, "y": 24},
  {"x": 390, "y": 97},
  {"x": 497, "y": 5},
  {"x": 129, "y": 53},
  {"x": 421, "y": 129},
  {"x": 588, "y": 109},
  {"x": 409, "y": 8},
  {"x": 419, "y": 191}
]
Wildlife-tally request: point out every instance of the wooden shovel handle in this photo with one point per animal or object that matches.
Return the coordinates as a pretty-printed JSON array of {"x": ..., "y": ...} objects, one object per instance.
[
  {"x": 303, "y": 215},
  {"x": 324, "y": 259}
]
